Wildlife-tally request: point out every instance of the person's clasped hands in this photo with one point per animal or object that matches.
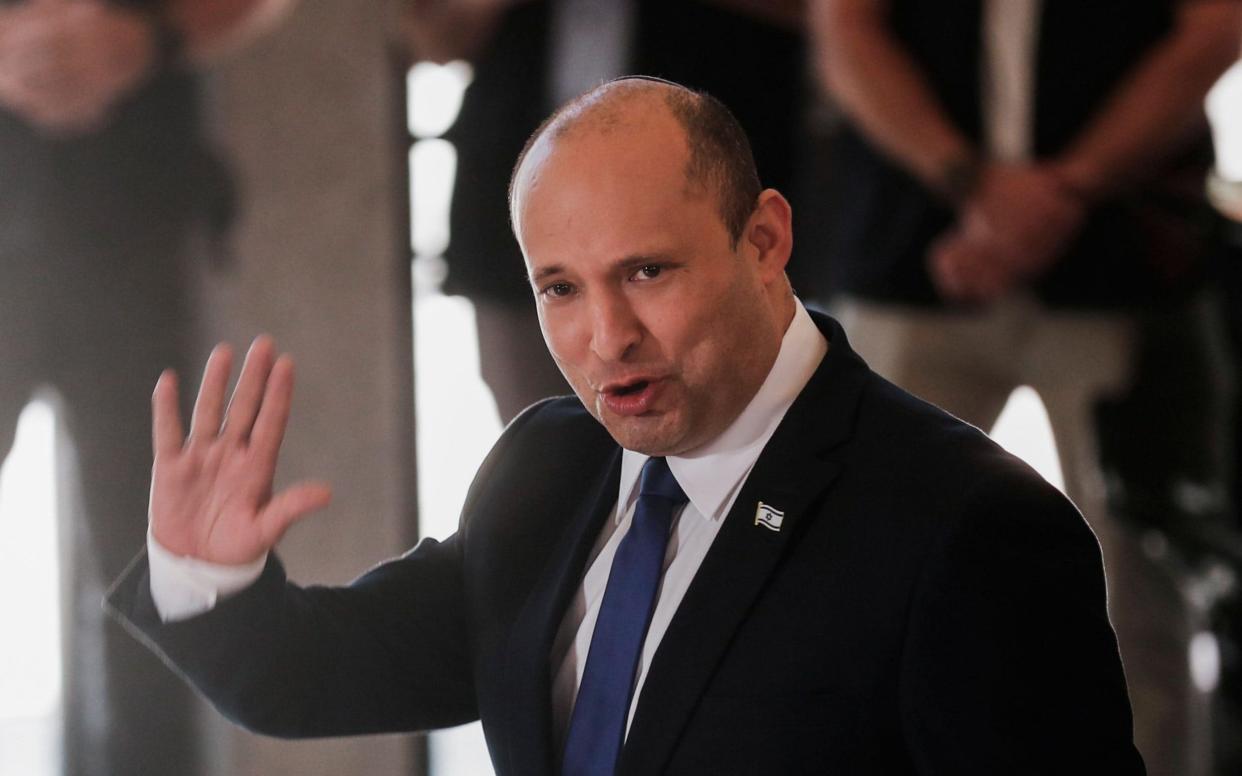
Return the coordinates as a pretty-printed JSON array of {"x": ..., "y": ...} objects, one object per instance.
[
  {"x": 64, "y": 64},
  {"x": 1012, "y": 228}
]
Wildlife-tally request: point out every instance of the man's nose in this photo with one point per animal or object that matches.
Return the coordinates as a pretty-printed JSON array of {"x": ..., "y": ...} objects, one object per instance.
[{"x": 615, "y": 329}]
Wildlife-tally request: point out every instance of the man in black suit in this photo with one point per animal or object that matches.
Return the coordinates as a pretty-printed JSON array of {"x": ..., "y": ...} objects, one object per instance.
[{"x": 858, "y": 584}]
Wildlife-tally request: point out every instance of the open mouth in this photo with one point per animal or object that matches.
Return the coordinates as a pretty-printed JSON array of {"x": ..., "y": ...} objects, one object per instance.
[
  {"x": 632, "y": 398},
  {"x": 632, "y": 388}
]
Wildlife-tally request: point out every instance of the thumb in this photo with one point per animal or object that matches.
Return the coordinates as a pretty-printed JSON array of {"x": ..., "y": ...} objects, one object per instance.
[{"x": 290, "y": 505}]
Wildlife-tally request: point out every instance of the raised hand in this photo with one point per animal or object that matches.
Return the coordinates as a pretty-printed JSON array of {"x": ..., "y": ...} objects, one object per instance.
[{"x": 211, "y": 492}]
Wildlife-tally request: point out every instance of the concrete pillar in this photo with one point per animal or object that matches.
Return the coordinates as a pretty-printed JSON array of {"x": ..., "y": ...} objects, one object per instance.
[{"x": 309, "y": 120}]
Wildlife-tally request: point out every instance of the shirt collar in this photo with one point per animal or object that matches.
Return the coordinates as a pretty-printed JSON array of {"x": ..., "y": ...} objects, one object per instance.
[{"x": 711, "y": 475}]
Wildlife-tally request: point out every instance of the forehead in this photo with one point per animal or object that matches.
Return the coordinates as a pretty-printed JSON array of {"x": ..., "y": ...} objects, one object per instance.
[{"x": 608, "y": 189}]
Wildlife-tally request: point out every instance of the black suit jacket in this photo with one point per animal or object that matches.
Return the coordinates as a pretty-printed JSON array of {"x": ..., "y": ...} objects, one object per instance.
[{"x": 929, "y": 606}]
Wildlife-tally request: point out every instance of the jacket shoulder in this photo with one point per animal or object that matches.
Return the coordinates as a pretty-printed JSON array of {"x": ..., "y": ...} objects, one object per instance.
[
  {"x": 947, "y": 470},
  {"x": 543, "y": 455}
]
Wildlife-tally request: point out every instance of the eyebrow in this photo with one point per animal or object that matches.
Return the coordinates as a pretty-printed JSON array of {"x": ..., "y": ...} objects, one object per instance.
[
  {"x": 626, "y": 262},
  {"x": 555, "y": 269}
]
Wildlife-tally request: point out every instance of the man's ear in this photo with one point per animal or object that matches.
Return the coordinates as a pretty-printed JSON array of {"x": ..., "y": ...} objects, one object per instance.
[{"x": 768, "y": 236}]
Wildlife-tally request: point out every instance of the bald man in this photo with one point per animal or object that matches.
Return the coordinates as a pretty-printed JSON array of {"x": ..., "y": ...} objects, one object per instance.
[{"x": 736, "y": 550}]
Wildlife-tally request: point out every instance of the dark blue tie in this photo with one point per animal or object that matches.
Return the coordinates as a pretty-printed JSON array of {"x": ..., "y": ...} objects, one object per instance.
[{"x": 597, "y": 727}]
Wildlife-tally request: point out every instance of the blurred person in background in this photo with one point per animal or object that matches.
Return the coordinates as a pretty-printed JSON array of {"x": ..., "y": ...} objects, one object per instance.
[
  {"x": 105, "y": 179},
  {"x": 532, "y": 55},
  {"x": 1016, "y": 184}
]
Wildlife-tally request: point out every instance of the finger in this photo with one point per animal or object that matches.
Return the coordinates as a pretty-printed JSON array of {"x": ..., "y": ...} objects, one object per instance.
[
  {"x": 944, "y": 260},
  {"x": 205, "y": 424},
  {"x": 953, "y": 285},
  {"x": 988, "y": 286},
  {"x": 244, "y": 406},
  {"x": 269, "y": 426},
  {"x": 1001, "y": 275},
  {"x": 289, "y": 506},
  {"x": 970, "y": 277},
  {"x": 976, "y": 276},
  {"x": 166, "y": 430}
]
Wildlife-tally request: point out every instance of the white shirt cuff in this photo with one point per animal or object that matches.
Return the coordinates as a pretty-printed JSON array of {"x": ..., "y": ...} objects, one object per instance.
[{"x": 183, "y": 587}]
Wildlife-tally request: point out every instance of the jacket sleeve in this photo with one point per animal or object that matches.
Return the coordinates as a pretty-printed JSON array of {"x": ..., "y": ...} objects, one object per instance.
[
  {"x": 385, "y": 653},
  {"x": 392, "y": 651}
]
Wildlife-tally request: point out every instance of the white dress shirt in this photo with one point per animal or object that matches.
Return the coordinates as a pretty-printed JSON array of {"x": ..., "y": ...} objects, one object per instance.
[
  {"x": 711, "y": 477},
  {"x": 183, "y": 587}
]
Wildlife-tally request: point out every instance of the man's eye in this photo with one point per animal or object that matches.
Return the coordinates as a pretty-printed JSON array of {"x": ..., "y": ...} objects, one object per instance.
[
  {"x": 558, "y": 290},
  {"x": 648, "y": 271}
]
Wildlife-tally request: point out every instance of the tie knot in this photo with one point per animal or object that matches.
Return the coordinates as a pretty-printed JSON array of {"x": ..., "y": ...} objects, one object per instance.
[{"x": 658, "y": 480}]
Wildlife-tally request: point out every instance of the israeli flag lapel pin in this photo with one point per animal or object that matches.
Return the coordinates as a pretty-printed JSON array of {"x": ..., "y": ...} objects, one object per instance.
[{"x": 769, "y": 517}]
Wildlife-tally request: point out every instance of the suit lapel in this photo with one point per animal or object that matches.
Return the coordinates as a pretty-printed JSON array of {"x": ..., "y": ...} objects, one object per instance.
[
  {"x": 795, "y": 468},
  {"x": 529, "y": 725}
]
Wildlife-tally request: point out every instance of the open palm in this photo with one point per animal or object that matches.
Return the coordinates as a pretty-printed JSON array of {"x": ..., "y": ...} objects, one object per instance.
[{"x": 211, "y": 492}]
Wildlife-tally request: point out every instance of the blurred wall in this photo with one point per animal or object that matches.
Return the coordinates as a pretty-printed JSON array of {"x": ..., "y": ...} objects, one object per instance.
[{"x": 309, "y": 121}]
